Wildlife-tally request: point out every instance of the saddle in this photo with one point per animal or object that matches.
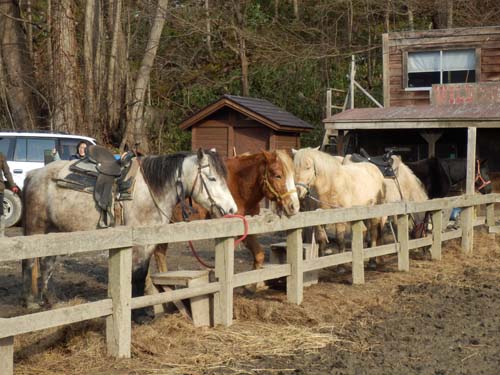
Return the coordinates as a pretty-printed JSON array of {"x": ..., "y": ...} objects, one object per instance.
[
  {"x": 105, "y": 177},
  {"x": 383, "y": 162}
]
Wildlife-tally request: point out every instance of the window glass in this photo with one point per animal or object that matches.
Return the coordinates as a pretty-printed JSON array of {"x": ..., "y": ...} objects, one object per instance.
[
  {"x": 37, "y": 146},
  {"x": 459, "y": 76},
  {"x": 426, "y": 79},
  {"x": 20, "y": 151},
  {"x": 459, "y": 60},
  {"x": 5, "y": 146},
  {"x": 423, "y": 61},
  {"x": 67, "y": 147}
]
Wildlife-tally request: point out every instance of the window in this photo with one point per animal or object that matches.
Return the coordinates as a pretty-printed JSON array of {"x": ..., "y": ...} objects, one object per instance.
[
  {"x": 435, "y": 67},
  {"x": 32, "y": 149},
  {"x": 5, "y": 147}
]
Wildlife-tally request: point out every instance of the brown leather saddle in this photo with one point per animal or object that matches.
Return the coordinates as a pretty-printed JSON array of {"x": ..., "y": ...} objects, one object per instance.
[{"x": 383, "y": 162}]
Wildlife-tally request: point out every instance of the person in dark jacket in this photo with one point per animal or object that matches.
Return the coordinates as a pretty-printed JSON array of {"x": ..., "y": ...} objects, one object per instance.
[
  {"x": 81, "y": 149},
  {"x": 5, "y": 175}
]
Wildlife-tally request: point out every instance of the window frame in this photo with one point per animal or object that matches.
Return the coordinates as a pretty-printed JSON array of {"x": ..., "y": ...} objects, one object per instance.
[{"x": 477, "y": 52}]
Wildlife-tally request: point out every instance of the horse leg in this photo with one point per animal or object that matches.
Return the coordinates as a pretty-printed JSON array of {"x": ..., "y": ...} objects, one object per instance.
[
  {"x": 47, "y": 265},
  {"x": 321, "y": 238},
  {"x": 30, "y": 283},
  {"x": 341, "y": 229},
  {"x": 139, "y": 273},
  {"x": 258, "y": 255},
  {"x": 375, "y": 230},
  {"x": 160, "y": 265}
]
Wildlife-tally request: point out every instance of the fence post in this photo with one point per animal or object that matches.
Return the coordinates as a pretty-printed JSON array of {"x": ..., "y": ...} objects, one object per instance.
[
  {"x": 118, "y": 325},
  {"x": 467, "y": 214},
  {"x": 358, "y": 267},
  {"x": 437, "y": 230},
  {"x": 404, "y": 244},
  {"x": 490, "y": 215},
  {"x": 294, "y": 257},
  {"x": 7, "y": 355},
  {"x": 467, "y": 224},
  {"x": 224, "y": 271}
]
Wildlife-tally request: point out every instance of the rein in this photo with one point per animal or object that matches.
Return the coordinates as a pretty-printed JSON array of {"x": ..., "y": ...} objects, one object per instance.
[{"x": 279, "y": 197}]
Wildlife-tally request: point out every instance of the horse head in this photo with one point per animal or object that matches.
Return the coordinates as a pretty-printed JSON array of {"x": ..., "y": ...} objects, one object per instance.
[
  {"x": 482, "y": 180},
  {"x": 305, "y": 170},
  {"x": 278, "y": 181},
  {"x": 205, "y": 179}
]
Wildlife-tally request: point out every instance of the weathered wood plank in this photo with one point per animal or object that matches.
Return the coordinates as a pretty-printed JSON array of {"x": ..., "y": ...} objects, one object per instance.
[
  {"x": 294, "y": 257},
  {"x": 468, "y": 212},
  {"x": 181, "y": 277},
  {"x": 118, "y": 325},
  {"x": 269, "y": 272},
  {"x": 437, "y": 231},
  {"x": 54, "y": 318},
  {"x": 174, "y": 295},
  {"x": 200, "y": 305},
  {"x": 456, "y": 233},
  {"x": 380, "y": 250},
  {"x": 358, "y": 269},
  {"x": 420, "y": 242},
  {"x": 327, "y": 261},
  {"x": 224, "y": 272},
  {"x": 490, "y": 215},
  {"x": 7, "y": 355},
  {"x": 404, "y": 244}
]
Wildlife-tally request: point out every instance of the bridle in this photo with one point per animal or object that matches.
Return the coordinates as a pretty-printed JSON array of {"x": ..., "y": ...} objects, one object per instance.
[
  {"x": 480, "y": 178},
  {"x": 279, "y": 197}
]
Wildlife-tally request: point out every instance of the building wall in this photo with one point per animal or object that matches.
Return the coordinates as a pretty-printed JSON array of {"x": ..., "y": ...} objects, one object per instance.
[{"x": 486, "y": 41}]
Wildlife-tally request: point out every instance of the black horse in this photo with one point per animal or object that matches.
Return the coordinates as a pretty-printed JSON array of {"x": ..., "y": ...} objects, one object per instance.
[{"x": 444, "y": 176}]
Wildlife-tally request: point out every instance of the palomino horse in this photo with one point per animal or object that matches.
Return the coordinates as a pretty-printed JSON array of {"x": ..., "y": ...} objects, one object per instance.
[
  {"x": 338, "y": 185},
  {"x": 250, "y": 178},
  {"x": 50, "y": 208}
]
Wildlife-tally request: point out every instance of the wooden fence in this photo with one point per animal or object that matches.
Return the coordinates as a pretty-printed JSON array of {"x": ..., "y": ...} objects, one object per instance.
[{"x": 119, "y": 241}]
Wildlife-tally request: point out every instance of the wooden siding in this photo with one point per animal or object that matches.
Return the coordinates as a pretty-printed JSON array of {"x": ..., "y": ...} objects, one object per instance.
[
  {"x": 485, "y": 40},
  {"x": 287, "y": 142},
  {"x": 251, "y": 139},
  {"x": 211, "y": 136}
]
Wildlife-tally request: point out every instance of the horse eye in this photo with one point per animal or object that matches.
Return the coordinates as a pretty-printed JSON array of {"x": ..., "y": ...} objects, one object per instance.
[
  {"x": 278, "y": 177},
  {"x": 211, "y": 178}
]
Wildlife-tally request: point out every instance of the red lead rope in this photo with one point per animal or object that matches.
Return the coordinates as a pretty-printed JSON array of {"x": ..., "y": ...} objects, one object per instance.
[{"x": 236, "y": 242}]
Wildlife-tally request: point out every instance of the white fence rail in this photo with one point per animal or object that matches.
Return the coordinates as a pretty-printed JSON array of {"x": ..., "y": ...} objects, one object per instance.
[{"x": 120, "y": 241}]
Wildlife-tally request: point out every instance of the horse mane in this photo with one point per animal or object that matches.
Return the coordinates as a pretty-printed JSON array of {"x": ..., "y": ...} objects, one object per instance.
[
  {"x": 406, "y": 175},
  {"x": 161, "y": 171},
  {"x": 287, "y": 162},
  {"x": 322, "y": 160}
]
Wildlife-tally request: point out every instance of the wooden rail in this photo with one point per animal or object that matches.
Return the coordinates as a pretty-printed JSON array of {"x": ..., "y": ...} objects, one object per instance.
[{"x": 120, "y": 241}]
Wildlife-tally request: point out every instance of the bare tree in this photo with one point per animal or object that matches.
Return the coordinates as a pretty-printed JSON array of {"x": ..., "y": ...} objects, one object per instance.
[
  {"x": 239, "y": 28},
  {"x": 17, "y": 69},
  {"x": 67, "y": 94},
  {"x": 136, "y": 131}
]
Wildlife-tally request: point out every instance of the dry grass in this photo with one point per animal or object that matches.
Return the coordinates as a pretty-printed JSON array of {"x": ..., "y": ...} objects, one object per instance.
[{"x": 265, "y": 324}]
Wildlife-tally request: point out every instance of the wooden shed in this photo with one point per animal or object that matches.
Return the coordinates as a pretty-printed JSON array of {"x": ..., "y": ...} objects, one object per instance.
[
  {"x": 415, "y": 60},
  {"x": 244, "y": 124}
]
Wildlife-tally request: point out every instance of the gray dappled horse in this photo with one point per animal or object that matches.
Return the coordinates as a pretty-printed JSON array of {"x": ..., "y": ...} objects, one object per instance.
[{"x": 159, "y": 185}]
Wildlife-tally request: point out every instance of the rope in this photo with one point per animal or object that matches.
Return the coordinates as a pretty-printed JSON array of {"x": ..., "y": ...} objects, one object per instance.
[{"x": 236, "y": 242}]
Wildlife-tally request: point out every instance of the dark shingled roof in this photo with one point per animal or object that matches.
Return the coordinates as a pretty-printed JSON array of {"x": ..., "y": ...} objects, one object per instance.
[
  {"x": 260, "y": 109},
  {"x": 270, "y": 111}
]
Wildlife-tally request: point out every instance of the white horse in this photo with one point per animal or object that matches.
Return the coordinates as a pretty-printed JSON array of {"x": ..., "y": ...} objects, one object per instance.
[
  {"x": 337, "y": 185},
  {"x": 51, "y": 208}
]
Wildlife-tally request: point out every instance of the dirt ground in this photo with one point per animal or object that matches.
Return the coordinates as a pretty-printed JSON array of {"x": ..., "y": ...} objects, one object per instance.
[{"x": 439, "y": 318}]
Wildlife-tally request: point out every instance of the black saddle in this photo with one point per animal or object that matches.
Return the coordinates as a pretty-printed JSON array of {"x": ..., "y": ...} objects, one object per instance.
[
  {"x": 101, "y": 173},
  {"x": 383, "y": 162}
]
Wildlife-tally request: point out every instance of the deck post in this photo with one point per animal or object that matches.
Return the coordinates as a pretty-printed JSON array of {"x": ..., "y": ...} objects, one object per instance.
[
  {"x": 437, "y": 231},
  {"x": 358, "y": 267},
  {"x": 404, "y": 244},
  {"x": 119, "y": 325},
  {"x": 468, "y": 212},
  {"x": 490, "y": 215},
  {"x": 294, "y": 257},
  {"x": 224, "y": 271}
]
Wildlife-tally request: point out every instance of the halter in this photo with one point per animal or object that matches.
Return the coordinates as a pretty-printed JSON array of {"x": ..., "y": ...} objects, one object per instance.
[
  {"x": 480, "y": 178},
  {"x": 279, "y": 197}
]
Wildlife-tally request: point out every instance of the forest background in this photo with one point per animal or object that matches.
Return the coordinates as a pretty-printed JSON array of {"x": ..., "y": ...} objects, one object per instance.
[{"x": 129, "y": 71}]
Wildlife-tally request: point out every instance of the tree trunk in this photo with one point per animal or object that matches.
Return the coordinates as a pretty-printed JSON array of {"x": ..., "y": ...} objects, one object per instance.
[
  {"x": 242, "y": 51},
  {"x": 387, "y": 16},
  {"x": 209, "y": 30},
  {"x": 449, "y": 14},
  {"x": 136, "y": 131},
  {"x": 89, "y": 52},
  {"x": 67, "y": 94},
  {"x": 296, "y": 12},
  {"x": 18, "y": 72},
  {"x": 411, "y": 22}
]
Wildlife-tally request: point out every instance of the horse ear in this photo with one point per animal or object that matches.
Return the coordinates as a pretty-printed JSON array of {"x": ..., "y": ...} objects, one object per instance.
[
  {"x": 267, "y": 155},
  {"x": 294, "y": 151},
  {"x": 200, "y": 154},
  {"x": 317, "y": 148}
]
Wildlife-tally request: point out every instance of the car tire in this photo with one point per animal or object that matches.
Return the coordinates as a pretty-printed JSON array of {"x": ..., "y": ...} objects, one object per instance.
[{"x": 12, "y": 208}]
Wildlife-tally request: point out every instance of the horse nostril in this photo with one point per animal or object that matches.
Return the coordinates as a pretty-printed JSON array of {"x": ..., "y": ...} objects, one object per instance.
[{"x": 231, "y": 211}]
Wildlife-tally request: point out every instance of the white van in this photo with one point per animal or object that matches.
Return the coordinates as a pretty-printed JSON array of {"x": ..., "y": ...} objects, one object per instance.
[{"x": 26, "y": 151}]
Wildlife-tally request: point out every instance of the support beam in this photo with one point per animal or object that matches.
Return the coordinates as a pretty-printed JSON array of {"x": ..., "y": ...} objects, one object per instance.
[
  {"x": 437, "y": 237},
  {"x": 468, "y": 212},
  {"x": 358, "y": 269},
  {"x": 119, "y": 325},
  {"x": 224, "y": 271},
  {"x": 404, "y": 244},
  {"x": 431, "y": 138},
  {"x": 294, "y": 257}
]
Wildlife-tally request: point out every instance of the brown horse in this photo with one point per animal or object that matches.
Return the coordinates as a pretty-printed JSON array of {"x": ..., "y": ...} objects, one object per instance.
[{"x": 250, "y": 178}]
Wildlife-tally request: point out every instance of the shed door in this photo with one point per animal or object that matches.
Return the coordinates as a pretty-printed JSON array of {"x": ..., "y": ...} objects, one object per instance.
[{"x": 251, "y": 139}]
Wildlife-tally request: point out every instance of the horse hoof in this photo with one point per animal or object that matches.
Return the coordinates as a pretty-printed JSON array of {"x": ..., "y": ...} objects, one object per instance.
[{"x": 372, "y": 266}]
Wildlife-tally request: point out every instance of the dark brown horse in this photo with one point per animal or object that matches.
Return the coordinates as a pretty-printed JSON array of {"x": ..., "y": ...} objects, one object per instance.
[{"x": 250, "y": 178}]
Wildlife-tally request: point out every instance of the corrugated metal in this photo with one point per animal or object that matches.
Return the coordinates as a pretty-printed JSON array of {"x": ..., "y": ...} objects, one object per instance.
[
  {"x": 269, "y": 111},
  {"x": 482, "y": 112}
]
